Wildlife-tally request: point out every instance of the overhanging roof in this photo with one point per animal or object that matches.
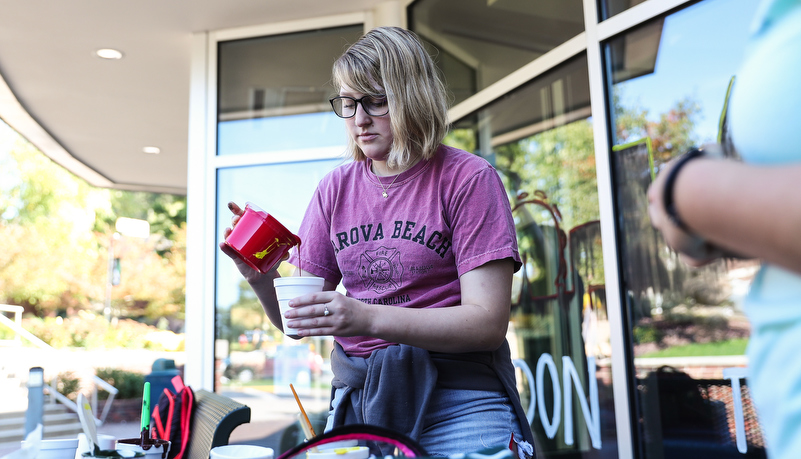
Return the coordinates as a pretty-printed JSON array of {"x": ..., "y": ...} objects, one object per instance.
[{"x": 95, "y": 116}]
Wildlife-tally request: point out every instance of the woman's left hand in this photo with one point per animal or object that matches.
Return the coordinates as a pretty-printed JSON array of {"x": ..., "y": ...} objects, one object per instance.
[{"x": 328, "y": 313}]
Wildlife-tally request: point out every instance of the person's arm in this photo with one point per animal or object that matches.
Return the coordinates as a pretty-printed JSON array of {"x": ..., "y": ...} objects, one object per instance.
[
  {"x": 261, "y": 283},
  {"x": 478, "y": 324},
  {"x": 754, "y": 211}
]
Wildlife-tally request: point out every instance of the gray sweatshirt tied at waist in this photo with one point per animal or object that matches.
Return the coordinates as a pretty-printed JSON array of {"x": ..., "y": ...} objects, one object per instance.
[{"x": 392, "y": 387}]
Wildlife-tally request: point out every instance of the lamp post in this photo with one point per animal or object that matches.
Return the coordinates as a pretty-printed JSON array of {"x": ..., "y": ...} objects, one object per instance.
[
  {"x": 124, "y": 226},
  {"x": 35, "y": 413}
]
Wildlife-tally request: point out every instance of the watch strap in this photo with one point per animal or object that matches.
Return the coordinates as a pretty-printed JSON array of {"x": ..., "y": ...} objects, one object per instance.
[{"x": 668, "y": 191}]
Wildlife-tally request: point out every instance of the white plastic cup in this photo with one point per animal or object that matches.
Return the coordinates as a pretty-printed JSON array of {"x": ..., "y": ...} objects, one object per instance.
[
  {"x": 106, "y": 442},
  {"x": 241, "y": 452},
  {"x": 61, "y": 448},
  {"x": 154, "y": 452},
  {"x": 287, "y": 288}
]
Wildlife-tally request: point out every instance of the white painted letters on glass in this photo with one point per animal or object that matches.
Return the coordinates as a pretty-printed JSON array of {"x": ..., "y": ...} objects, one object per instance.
[
  {"x": 550, "y": 425},
  {"x": 589, "y": 402},
  {"x": 735, "y": 375},
  {"x": 591, "y": 412},
  {"x": 570, "y": 378}
]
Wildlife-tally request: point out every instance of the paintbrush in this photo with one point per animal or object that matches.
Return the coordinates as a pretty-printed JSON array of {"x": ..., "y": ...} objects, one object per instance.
[{"x": 308, "y": 430}]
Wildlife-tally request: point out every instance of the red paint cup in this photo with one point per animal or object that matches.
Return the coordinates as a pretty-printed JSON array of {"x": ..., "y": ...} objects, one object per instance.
[{"x": 259, "y": 239}]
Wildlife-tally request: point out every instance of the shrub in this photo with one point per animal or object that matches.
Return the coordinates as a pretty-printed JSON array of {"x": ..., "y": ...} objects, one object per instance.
[
  {"x": 68, "y": 385},
  {"x": 129, "y": 384},
  {"x": 646, "y": 334},
  {"x": 7, "y": 333},
  {"x": 90, "y": 331}
]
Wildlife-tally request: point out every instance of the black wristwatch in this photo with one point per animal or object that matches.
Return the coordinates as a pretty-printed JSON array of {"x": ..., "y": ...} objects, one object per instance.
[{"x": 667, "y": 191}]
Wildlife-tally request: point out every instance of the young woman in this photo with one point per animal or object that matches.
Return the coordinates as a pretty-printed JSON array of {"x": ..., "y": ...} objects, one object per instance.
[{"x": 422, "y": 238}]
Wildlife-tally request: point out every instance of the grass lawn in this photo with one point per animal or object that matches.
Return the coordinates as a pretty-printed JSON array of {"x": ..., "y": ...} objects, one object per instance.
[{"x": 728, "y": 347}]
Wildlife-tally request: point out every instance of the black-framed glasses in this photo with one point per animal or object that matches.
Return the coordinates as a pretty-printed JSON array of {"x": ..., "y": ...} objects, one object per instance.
[{"x": 345, "y": 107}]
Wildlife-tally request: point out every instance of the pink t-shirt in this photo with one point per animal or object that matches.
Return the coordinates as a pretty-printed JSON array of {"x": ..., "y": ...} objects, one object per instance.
[{"x": 443, "y": 218}]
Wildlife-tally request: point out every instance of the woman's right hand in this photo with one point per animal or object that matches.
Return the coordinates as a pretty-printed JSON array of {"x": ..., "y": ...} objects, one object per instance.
[{"x": 250, "y": 274}]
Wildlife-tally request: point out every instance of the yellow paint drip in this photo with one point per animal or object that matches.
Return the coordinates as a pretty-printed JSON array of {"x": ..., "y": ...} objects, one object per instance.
[
  {"x": 344, "y": 450},
  {"x": 270, "y": 248}
]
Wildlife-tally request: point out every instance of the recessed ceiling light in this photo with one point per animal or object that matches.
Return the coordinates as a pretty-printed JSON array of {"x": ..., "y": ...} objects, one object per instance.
[
  {"x": 108, "y": 53},
  {"x": 151, "y": 150}
]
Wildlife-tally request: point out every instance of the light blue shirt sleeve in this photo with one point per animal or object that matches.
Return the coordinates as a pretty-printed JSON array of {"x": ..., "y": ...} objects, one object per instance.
[{"x": 765, "y": 110}]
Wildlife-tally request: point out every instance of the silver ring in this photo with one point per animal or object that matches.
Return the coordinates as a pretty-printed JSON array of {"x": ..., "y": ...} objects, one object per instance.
[{"x": 326, "y": 312}]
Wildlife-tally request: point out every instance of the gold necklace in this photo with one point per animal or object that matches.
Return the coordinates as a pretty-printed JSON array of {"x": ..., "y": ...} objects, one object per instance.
[
  {"x": 381, "y": 184},
  {"x": 384, "y": 192}
]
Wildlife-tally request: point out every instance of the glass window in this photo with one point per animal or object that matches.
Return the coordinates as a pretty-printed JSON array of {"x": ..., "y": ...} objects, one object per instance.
[
  {"x": 273, "y": 97},
  {"x": 250, "y": 350},
  {"x": 274, "y": 91},
  {"x": 478, "y": 42},
  {"x": 670, "y": 79},
  {"x": 540, "y": 139},
  {"x": 610, "y": 8}
]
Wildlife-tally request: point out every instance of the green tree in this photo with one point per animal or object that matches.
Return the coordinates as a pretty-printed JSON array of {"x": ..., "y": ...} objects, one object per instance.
[
  {"x": 165, "y": 213},
  {"x": 55, "y": 237},
  {"x": 247, "y": 314},
  {"x": 671, "y": 134},
  {"x": 674, "y": 132},
  {"x": 152, "y": 285},
  {"x": 559, "y": 162},
  {"x": 48, "y": 251}
]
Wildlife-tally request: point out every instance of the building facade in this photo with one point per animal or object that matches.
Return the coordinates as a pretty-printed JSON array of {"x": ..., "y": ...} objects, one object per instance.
[{"x": 622, "y": 351}]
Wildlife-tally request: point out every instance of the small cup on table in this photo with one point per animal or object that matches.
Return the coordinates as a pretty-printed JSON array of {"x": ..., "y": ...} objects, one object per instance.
[{"x": 241, "y": 452}]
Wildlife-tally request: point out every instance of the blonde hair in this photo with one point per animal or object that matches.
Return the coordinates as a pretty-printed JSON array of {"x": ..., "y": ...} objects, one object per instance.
[{"x": 392, "y": 61}]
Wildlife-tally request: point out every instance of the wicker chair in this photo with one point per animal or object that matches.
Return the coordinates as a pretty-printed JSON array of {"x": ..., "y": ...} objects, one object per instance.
[{"x": 213, "y": 419}]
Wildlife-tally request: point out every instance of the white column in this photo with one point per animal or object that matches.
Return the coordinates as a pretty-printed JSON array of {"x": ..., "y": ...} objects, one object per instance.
[
  {"x": 199, "y": 369},
  {"x": 390, "y": 13},
  {"x": 615, "y": 304}
]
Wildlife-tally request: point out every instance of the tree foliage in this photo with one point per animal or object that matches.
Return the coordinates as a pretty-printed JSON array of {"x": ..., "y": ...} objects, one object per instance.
[
  {"x": 56, "y": 233},
  {"x": 47, "y": 243},
  {"x": 672, "y": 133}
]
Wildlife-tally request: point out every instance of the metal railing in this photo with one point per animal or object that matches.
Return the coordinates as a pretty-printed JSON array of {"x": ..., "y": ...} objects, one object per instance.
[
  {"x": 16, "y": 326},
  {"x": 55, "y": 396}
]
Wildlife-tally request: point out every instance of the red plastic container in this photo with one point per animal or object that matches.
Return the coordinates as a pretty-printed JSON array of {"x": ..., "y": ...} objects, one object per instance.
[{"x": 260, "y": 240}]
